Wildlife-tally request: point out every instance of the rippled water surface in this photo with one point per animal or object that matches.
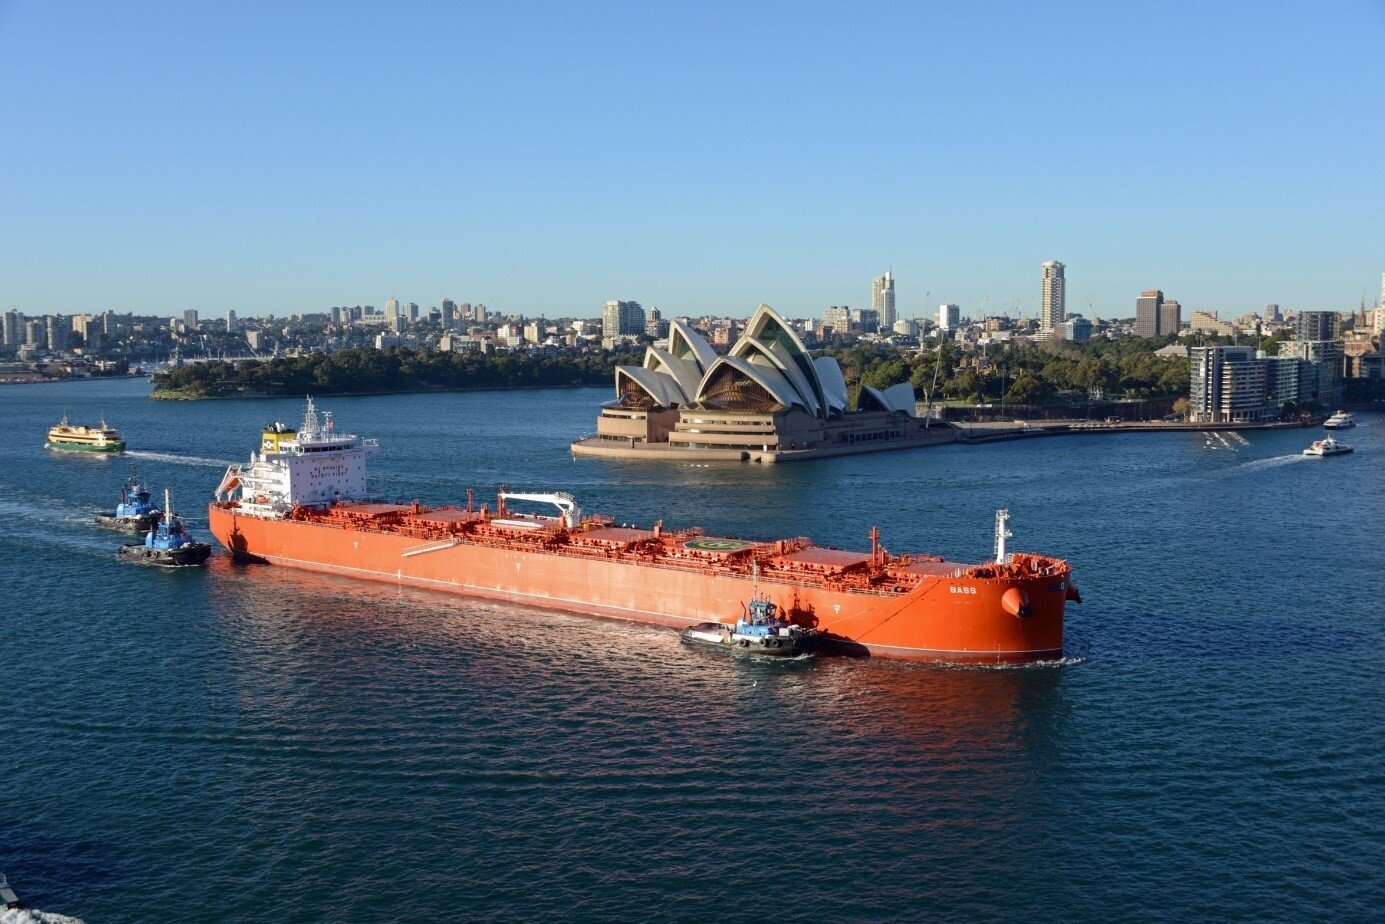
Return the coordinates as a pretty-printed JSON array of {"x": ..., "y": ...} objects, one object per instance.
[{"x": 251, "y": 743}]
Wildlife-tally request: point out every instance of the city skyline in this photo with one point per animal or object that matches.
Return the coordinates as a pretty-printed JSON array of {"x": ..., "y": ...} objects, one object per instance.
[{"x": 282, "y": 172}]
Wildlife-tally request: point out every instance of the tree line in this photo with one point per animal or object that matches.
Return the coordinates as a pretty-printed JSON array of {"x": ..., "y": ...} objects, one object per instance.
[{"x": 389, "y": 369}]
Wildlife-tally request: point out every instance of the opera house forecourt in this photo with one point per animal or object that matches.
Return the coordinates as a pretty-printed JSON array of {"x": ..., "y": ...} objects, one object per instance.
[{"x": 765, "y": 400}]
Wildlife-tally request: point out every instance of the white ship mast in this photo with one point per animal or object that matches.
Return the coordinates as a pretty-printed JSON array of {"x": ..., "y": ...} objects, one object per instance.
[{"x": 1002, "y": 532}]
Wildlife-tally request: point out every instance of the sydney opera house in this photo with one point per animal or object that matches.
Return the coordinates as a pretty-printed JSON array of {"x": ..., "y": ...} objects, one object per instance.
[{"x": 765, "y": 400}]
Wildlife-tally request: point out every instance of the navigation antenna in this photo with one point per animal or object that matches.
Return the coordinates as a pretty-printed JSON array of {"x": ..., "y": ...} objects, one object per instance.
[{"x": 1002, "y": 532}]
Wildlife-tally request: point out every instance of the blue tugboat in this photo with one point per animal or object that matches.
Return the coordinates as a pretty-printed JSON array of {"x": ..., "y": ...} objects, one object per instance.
[
  {"x": 759, "y": 631},
  {"x": 168, "y": 544},
  {"x": 135, "y": 513}
]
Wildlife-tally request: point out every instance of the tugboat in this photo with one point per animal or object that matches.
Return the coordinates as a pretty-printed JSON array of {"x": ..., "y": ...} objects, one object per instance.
[
  {"x": 68, "y": 437},
  {"x": 759, "y": 631},
  {"x": 1327, "y": 447},
  {"x": 135, "y": 513},
  {"x": 168, "y": 545}
]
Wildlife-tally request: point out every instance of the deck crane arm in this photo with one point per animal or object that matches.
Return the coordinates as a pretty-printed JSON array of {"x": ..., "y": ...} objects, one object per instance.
[{"x": 566, "y": 503}]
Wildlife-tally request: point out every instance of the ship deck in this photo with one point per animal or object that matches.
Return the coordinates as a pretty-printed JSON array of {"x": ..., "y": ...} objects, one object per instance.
[{"x": 795, "y": 560}]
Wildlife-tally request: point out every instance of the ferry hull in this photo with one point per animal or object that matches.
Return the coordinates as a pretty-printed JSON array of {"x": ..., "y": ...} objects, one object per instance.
[
  {"x": 64, "y": 446},
  {"x": 948, "y": 619}
]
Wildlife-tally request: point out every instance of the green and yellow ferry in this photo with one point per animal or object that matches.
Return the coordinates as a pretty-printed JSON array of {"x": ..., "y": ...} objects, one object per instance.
[{"x": 67, "y": 437}]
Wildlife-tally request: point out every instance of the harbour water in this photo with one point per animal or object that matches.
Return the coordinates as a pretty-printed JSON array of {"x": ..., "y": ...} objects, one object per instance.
[{"x": 247, "y": 743}]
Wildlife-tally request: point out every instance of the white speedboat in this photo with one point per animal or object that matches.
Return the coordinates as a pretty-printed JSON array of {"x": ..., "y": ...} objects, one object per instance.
[
  {"x": 1327, "y": 447},
  {"x": 1340, "y": 421}
]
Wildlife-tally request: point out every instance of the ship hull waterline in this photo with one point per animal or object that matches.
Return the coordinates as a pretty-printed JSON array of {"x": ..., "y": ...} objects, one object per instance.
[{"x": 947, "y": 619}]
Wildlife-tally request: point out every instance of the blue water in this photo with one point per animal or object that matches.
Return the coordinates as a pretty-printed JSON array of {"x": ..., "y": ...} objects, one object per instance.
[{"x": 248, "y": 743}]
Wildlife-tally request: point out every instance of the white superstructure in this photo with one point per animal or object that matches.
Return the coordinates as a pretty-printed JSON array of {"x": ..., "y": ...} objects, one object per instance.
[{"x": 312, "y": 467}]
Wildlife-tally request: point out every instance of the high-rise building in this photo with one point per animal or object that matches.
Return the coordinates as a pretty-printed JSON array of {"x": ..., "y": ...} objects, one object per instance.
[
  {"x": 230, "y": 320},
  {"x": 14, "y": 328},
  {"x": 59, "y": 328},
  {"x": 449, "y": 313},
  {"x": 1316, "y": 325},
  {"x": 336, "y": 315},
  {"x": 411, "y": 311},
  {"x": 1147, "y": 316},
  {"x": 882, "y": 299},
  {"x": 1272, "y": 312},
  {"x": 1053, "y": 297},
  {"x": 1170, "y": 317},
  {"x": 949, "y": 316},
  {"x": 621, "y": 319},
  {"x": 190, "y": 319},
  {"x": 1323, "y": 382},
  {"x": 35, "y": 333},
  {"x": 838, "y": 317},
  {"x": 391, "y": 309}
]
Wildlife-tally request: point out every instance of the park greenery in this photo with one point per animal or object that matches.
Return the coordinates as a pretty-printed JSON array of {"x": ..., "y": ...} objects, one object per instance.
[
  {"x": 1019, "y": 372},
  {"x": 392, "y": 369}
]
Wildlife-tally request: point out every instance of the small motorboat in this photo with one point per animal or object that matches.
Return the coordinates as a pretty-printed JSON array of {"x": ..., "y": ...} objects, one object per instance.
[
  {"x": 168, "y": 544},
  {"x": 759, "y": 631},
  {"x": 1327, "y": 447},
  {"x": 1339, "y": 421},
  {"x": 135, "y": 513}
]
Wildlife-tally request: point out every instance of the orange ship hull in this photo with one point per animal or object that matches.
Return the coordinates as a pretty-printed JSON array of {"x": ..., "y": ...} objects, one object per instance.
[{"x": 935, "y": 612}]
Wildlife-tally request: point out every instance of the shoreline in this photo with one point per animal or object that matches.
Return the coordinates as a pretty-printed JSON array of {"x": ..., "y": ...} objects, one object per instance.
[{"x": 972, "y": 434}]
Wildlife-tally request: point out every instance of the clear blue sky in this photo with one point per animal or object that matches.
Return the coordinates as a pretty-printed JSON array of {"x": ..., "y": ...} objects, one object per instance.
[{"x": 703, "y": 157}]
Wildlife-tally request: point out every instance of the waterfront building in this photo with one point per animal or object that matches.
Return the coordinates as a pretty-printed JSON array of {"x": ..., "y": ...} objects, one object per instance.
[
  {"x": 1228, "y": 384},
  {"x": 766, "y": 394},
  {"x": 882, "y": 300},
  {"x": 1052, "y": 297},
  {"x": 621, "y": 319},
  {"x": 949, "y": 317},
  {"x": 1147, "y": 313}
]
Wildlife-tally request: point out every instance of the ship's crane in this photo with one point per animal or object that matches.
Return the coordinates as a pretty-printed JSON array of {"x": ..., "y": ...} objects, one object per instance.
[{"x": 566, "y": 503}]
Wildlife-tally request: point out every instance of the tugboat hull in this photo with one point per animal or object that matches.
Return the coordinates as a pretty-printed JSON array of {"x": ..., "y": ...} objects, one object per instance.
[
  {"x": 716, "y": 635},
  {"x": 137, "y": 525},
  {"x": 187, "y": 556}
]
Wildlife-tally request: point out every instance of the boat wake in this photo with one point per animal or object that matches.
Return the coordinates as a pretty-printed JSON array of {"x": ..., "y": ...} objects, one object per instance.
[
  {"x": 1274, "y": 462},
  {"x": 29, "y": 916},
  {"x": 176, "y": 459}
]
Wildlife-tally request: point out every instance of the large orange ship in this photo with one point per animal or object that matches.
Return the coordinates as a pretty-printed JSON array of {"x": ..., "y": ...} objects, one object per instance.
[{"x": 302, "y": 502}]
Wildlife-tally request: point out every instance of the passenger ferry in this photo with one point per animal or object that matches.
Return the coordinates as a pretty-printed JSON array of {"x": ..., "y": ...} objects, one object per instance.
[
  {"x": 1340, "y": 421},
  {"x": 69, "y": 437},
  {"x": 1327, "y": 447}
]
